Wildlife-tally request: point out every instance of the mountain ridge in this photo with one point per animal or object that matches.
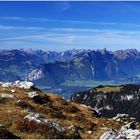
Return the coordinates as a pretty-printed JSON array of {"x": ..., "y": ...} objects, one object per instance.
[
  {"x": 112, "y": 100},
  {"x": 90, "y": 65},
  {"x": 21, "y": 62}
]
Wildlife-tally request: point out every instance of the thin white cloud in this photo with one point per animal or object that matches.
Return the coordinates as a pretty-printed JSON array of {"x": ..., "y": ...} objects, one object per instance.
[
  {"x": 12, "y": 18},
  {"x": 65, "y": 21},
  {"x": 65, "y": 6},
  {"x": 95, "y": 31},
  {"x": 98, "y": 37},
  {"x": 59, "y": 38},
  {"x": 5, "y": 27}
]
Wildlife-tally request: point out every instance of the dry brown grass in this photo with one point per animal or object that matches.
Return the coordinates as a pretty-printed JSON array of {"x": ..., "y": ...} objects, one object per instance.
[{"x": 63, "y": 112}]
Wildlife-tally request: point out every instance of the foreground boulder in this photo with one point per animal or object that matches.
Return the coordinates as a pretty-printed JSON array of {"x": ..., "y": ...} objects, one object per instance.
[
  {"x": 129, "y": 134},
  {"x": 39, "y": 119},
  {"x": 109, "y": 135},
  {"x": 72, "y": 132},
  {"x": 131, "y": 125},
  {"x": 128, "y": 131}
]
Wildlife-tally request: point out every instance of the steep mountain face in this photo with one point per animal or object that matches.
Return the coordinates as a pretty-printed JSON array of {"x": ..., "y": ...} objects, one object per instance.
[
  {"x": 90, "y": 65},
  {"x": 17, "y": 64},
  {"x": 112, "y": 100}
]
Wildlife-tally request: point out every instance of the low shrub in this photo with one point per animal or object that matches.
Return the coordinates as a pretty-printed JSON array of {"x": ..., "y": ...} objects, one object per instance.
[
  {"x": 41, "y": 99},
  {"x": 5, "y": 134},
  {"x": 73, "y": 109},
  {"x": 24, "y": 104},
  {"x": 3, "y": 100},
  {"x": 46, "y": 131},
  {"x": 25, "y": 125},
  {"x": 58, "y": 115},
  {"x": 63, "y": 102}
]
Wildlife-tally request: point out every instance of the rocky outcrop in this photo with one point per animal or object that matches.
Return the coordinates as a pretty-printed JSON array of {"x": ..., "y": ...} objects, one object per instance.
[
  {"x": 128, "y": 131},
  {"x": 17, "y": 64},
  {"x": 72, "y": 132},
  {"x": 18, "y": 84},
  {"x": 109, "y": 135},
  {"x": 33, "y": 120},
  {"x": 39, "y": 119},
  {"x": 32, "y": 94},
  {"x": 90, "y": 65},
  {"x": 121, "y": 116}
]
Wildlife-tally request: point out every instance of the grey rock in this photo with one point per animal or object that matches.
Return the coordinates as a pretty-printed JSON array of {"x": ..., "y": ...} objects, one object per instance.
[
  {"x": 39, "y": 119},
  {"x": 128, "y": 131},
  {"x": 19, "y": 84},
  {"x": 109, "y": 135},
  {"x": 131, "y": 125},
  {"x": 120, "y": 116},
  {"x": 32, "y": 94}
]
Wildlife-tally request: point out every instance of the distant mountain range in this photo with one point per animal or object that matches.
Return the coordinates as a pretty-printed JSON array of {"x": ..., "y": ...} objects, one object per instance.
[
  {"x": 99, "y": 65},
  {"x": 53, "y": 68},
  {"x": 17, "y": 64}
]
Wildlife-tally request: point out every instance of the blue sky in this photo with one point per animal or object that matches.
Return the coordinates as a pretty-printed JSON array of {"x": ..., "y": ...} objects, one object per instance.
[{"x": 67, "y": 25}]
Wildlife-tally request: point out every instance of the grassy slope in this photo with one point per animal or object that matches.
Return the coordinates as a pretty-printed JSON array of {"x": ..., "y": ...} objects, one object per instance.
[
  {"x": 109, "y": 89},
  {"x": 11, "y": 114}
]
